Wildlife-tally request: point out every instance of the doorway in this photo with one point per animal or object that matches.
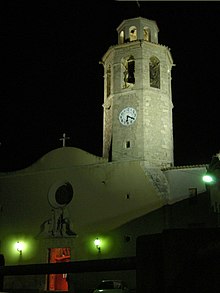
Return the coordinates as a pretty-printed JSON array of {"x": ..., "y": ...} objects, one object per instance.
[{"x": 58, "y": 282}]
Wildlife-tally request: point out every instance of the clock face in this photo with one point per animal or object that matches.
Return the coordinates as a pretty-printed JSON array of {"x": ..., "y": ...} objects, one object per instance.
[{"x": 127, "y": 116}]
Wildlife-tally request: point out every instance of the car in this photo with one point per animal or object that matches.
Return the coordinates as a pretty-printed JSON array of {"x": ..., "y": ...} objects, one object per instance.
[{"x": 111, "y": 286}]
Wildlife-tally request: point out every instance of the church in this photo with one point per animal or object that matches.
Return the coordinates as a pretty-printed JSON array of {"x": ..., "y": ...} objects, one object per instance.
[{"x": 71, "y": 205}]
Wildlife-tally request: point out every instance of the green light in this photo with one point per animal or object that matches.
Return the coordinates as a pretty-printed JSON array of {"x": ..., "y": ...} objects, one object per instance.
[{"x": 207, "y": 178}]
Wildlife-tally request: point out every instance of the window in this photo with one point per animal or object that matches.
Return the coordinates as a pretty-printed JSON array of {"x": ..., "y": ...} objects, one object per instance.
[
  {"x": 129, "y": 69},
  {"x": 133, "y": 33},
  {"x": 146, "y": 34},
  {"x": 192, "y": 192},
  {"x": 122, "y": 37},
  {"x": 154, "y": 68},
  {"x": 108, "y": 80},
  {"x": 193, "y": 199}
]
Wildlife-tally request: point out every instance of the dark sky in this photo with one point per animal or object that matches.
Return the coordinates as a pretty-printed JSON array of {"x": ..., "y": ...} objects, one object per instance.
[{"x": 53, "y": 82}]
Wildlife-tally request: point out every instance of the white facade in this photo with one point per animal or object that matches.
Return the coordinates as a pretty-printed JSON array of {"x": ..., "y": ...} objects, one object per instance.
[{"x": 185, "y": 182}]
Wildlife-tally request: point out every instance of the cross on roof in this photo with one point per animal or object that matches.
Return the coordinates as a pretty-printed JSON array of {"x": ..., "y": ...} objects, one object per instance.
[{"x": 64, "y": 138}]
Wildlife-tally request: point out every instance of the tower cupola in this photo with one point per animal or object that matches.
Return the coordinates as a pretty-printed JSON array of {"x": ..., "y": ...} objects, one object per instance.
[{"x": 137, "y": 29}]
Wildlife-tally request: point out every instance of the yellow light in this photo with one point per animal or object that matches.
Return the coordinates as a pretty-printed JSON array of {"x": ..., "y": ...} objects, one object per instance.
[
  {"x": 97, "y": 243},
  {"x": 19, "y": 246}
]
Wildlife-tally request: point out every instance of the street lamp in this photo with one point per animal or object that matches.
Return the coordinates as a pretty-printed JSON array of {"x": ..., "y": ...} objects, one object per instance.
[{"x": 208, "y": 178}]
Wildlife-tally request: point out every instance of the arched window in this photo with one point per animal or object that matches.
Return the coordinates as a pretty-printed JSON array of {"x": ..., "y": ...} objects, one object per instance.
[
  {"x": 129, "y": 69},
  {"x": 154, "y": 68},
  {"x": 147, "y": 34},
  {"x": 122, "y": 37},
  {"x": 108, "y": 83},
  {"x": 132, "y": 33}
]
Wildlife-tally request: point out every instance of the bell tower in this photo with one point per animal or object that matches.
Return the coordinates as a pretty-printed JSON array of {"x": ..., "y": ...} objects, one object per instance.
[{"x": 137, "y": 118}]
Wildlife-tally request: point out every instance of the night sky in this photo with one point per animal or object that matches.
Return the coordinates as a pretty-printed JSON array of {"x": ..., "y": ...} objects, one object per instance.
[{"x": 53, "y": 83}]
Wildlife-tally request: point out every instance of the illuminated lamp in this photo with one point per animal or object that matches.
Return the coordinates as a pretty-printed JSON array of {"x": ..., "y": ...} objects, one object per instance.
[
  {"x": 97, "y": 243},
  {"x": 19, "y": 247},
  {"x": 208, "y": 178}
]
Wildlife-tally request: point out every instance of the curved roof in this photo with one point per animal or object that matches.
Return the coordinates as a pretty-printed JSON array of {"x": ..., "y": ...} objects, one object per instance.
[{"x": 63, "y": 157}]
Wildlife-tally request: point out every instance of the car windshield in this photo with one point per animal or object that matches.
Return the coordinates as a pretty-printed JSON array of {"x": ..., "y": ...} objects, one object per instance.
[{"x": 109, "y": 285}]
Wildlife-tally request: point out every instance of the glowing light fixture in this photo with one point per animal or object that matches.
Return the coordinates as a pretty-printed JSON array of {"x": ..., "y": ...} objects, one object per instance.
[
  {"x": 19, "y": 247},
  {"x": 97, "y": 243},
  {"x": 208, "y": 178}
]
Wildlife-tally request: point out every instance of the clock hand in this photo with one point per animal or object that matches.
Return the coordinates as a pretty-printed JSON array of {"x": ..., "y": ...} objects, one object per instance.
[{"x": 129, "y": 117}]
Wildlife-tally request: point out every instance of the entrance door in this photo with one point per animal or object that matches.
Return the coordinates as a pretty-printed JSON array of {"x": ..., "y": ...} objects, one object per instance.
[{"x": 58, "y": 282}]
